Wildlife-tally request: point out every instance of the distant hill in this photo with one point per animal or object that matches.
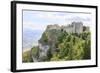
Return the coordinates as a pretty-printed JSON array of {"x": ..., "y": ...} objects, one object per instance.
[{"x": 30, "y": 38}]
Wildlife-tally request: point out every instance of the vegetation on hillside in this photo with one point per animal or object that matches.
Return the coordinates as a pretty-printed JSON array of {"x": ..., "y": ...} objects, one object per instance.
[
  {"x": 26, "y": 56},
  {"x": 63, "y": 46},
  {"x": 70, "y": 46}
]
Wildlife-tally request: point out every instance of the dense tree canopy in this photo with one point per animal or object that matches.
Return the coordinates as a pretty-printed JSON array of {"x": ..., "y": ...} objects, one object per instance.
[
  {"x": 71, "y": 46},
  {"x": 64, "y": 46}
]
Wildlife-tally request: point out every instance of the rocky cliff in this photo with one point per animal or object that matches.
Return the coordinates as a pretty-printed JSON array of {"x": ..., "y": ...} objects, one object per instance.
[{"x": 57, "y": 44}]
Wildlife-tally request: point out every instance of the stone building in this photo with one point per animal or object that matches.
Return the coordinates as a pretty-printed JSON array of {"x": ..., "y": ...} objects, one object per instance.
[
  {"x": 74, "y": 27},
  {"x": 55, "y": 26}
]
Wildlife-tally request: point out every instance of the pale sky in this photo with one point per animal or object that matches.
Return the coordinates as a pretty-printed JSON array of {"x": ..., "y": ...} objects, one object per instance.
[{"x": 38, "y": 20}]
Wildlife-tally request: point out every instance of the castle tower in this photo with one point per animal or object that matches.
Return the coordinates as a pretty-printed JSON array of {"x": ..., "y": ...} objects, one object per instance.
[{"x": 77, "y": 27}]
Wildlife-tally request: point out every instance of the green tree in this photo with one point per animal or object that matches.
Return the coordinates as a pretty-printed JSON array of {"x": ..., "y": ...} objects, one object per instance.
[{"x": 26, "y": 57}]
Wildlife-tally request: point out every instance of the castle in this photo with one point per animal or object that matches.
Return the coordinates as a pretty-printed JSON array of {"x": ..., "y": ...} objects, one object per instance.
[{"x": 74, "y": 27}]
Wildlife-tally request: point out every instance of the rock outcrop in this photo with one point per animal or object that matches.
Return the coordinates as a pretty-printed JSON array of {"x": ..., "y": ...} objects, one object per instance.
[{"x": 47, "y": 44}]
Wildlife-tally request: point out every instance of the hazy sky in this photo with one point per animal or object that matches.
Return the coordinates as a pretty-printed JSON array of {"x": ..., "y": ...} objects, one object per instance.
[{"x": 38, "y": 20}]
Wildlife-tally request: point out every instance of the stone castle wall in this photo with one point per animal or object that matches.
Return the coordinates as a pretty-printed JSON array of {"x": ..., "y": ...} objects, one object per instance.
[{"x": 74, "y": 27}]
